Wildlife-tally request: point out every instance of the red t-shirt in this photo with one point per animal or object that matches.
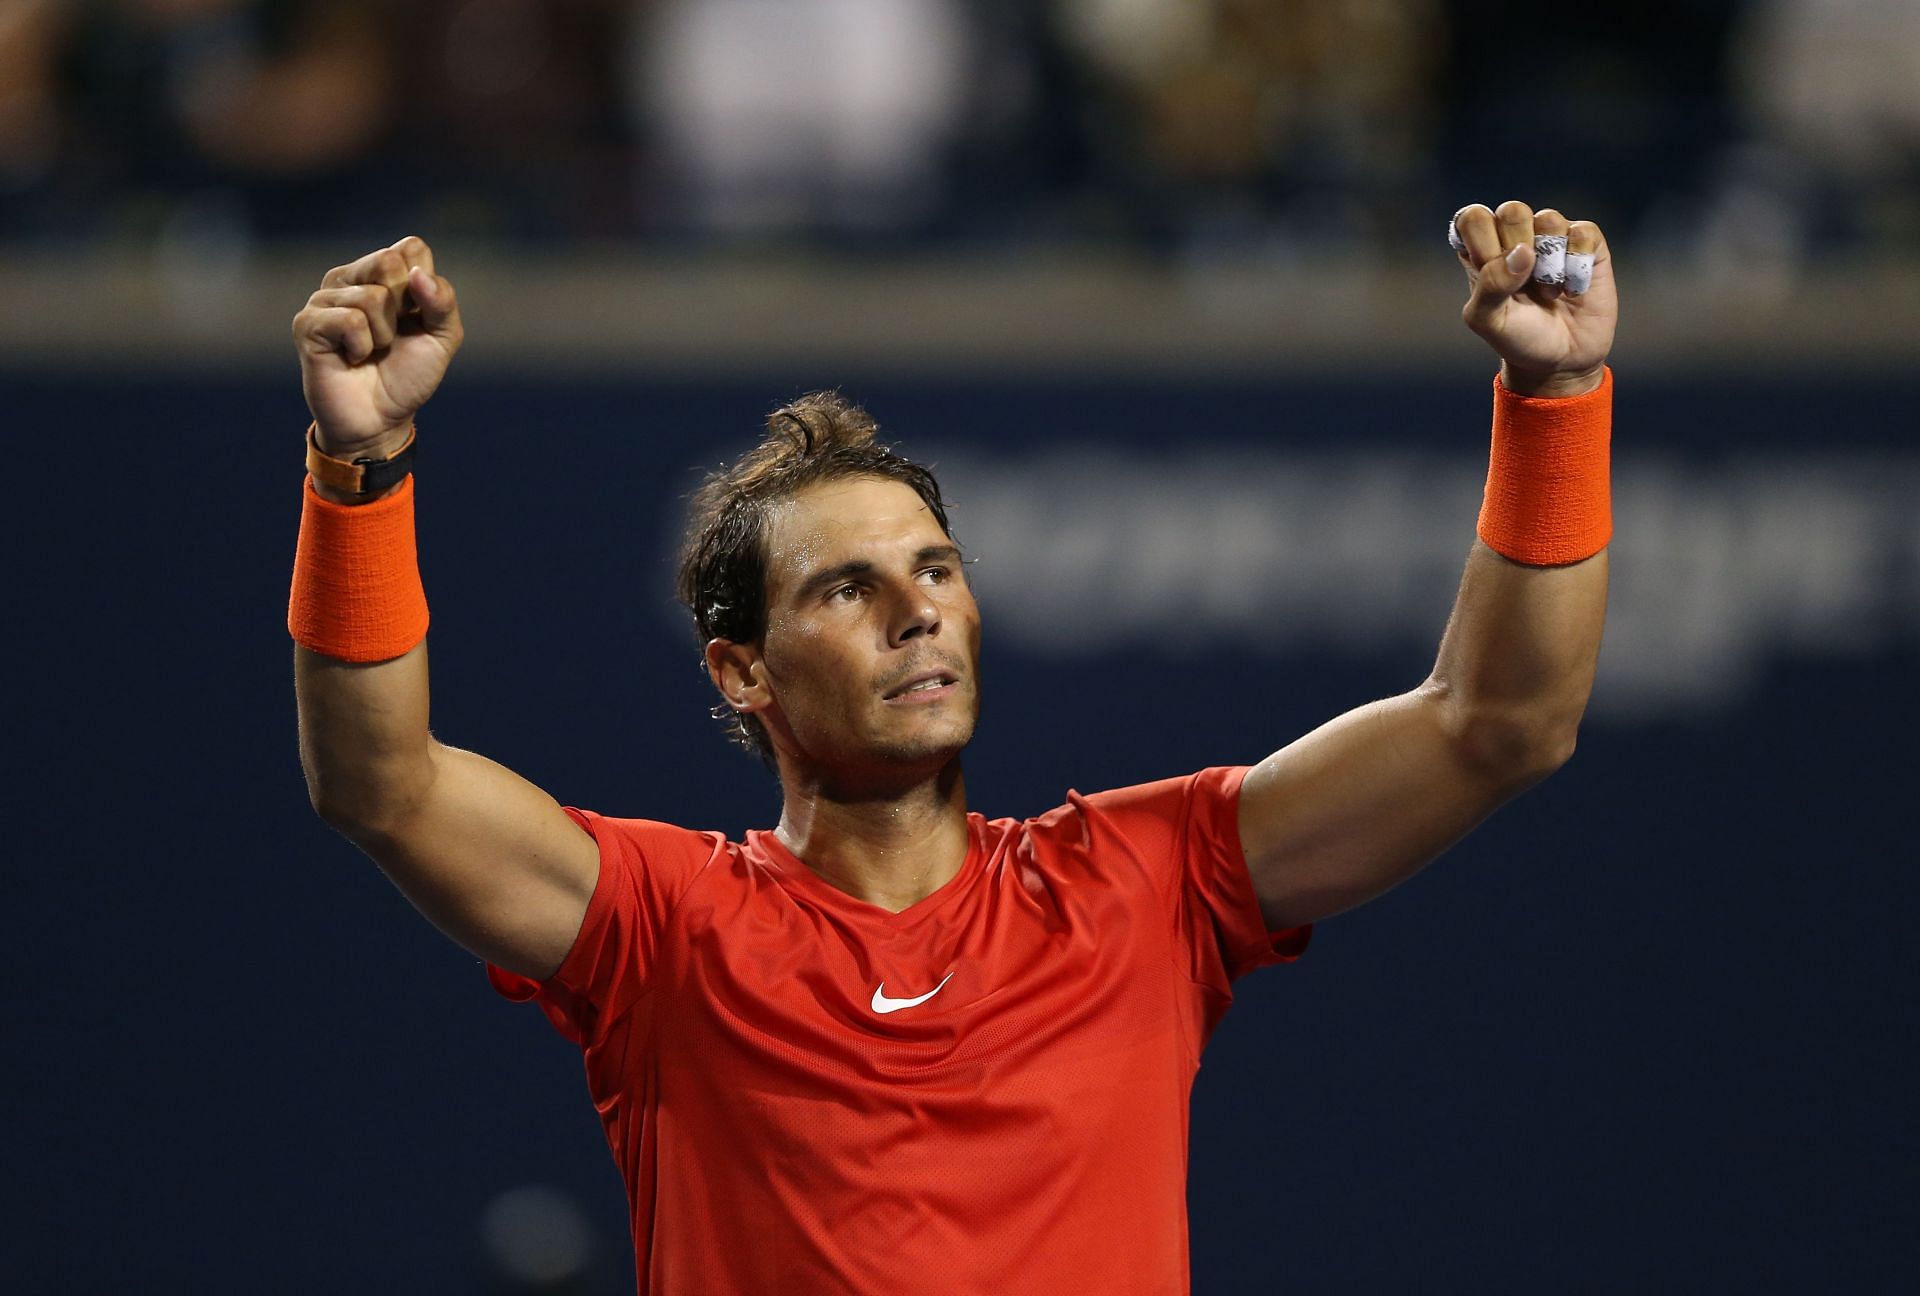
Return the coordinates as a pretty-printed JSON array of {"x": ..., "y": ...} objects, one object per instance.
[{"x": 986, "y": 1093}]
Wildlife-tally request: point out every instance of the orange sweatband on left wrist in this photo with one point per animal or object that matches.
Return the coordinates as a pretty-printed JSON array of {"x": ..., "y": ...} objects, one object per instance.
[
  {"x": 1549, "y": 498},
  {"x": 356, "y": 578}
]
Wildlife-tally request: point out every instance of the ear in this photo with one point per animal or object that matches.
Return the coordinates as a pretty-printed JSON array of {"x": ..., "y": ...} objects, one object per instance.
[{"x": 735, "y": 670}]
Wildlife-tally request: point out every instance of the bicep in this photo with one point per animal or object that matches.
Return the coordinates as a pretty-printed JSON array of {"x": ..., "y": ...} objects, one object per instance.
[
  {"x": 492, "y": 861},
  {"x": 1352, "y": 809}
]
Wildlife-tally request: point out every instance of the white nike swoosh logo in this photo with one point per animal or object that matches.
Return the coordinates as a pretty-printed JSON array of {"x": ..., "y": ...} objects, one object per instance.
[{"x": 882, "y": 1004}]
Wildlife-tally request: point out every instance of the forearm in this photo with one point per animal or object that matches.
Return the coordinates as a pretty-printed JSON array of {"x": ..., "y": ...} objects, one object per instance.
[
  {"x": 358, "y": 616},
  {"x": 1516, "y": 664},
  {"x": 364, "y": 743}
]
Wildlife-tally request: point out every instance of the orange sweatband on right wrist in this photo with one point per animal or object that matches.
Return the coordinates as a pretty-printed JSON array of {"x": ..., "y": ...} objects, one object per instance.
[
  {"x": 1549, "y": 498},
  {"x": 356, "y": 578}
]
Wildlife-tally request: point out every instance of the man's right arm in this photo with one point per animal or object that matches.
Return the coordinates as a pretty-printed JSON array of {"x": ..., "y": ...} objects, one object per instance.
[{"x": 490, "y": 859}]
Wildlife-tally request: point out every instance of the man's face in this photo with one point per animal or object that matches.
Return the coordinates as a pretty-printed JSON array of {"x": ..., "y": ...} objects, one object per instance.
[{"x": 872, "y": 647}]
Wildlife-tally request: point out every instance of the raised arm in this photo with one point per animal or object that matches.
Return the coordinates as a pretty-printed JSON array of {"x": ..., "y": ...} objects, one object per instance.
[
  {"x": 492, "y": 860},
  {"x": 1363, "y": 802}
]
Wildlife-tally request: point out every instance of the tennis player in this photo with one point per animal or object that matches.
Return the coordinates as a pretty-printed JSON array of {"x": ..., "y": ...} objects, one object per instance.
[{"x": 891, "y": 1046}]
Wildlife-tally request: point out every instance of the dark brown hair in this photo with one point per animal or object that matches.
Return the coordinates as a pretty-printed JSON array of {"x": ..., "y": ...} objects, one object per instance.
[{"x": 820, "y": 437}]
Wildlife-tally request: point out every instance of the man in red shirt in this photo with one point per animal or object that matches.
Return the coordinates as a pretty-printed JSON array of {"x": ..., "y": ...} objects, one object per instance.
[{"x": 892, "y": 1046}]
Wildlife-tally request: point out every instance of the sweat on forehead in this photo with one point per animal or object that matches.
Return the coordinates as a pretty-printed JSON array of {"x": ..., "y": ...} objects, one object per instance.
[
  {"x": 847, "y": 509},
  {"x": 869, "y": 521}
]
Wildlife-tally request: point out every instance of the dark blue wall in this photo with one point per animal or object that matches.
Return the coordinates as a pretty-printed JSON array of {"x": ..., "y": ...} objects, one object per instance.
[{"x": 1651, "y": 1028}]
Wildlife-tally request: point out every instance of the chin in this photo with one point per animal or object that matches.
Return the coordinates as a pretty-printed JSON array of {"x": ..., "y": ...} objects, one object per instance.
[
  {"x": 925, "y": 749},
  {"x": 937, "y": 741},
  {"x": 887, "y": 745}
]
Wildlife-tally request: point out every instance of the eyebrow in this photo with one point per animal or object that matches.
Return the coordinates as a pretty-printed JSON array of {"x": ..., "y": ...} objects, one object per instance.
[{"x": 827, "y": 577}]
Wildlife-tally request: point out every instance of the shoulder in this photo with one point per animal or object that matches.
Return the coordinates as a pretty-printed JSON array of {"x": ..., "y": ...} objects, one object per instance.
[
  {"x": 652, "y": 833},
  {"x": 661, "y": 852},
  {"x": 1154, "y": 808}
]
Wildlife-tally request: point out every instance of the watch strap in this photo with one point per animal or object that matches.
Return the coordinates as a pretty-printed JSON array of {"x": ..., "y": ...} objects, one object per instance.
[{"x": 363, "y": 476}]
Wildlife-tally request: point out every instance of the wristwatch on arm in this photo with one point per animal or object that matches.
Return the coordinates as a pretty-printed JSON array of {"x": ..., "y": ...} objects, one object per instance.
[{"x": 363, "y": 477}]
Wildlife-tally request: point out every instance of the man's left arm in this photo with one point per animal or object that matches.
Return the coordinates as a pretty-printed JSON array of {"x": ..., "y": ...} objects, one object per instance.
[{"x": 1363, "y": 802}]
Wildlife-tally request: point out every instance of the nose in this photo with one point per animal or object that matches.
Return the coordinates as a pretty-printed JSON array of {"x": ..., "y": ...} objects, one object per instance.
[{"x": 915, "y": 614}]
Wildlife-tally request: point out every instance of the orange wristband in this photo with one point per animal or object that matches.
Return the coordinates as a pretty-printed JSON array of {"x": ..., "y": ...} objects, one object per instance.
[
  {"x": 1549, "y": 497},
  {"x": 356, "y": 578}
]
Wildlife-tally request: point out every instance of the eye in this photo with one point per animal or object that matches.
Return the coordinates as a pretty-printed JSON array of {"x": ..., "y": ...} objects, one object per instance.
[
  {"x": 847, "y": 593},
  {"x": 936, "y": 575}
]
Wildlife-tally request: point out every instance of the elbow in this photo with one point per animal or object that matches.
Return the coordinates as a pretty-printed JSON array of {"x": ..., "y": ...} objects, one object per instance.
[
  {"x": 1514, "y": 746},
  {"x": 366, "y": 805},
  {"x": 1541, "y": 751},
  {"x": 337, "y": 810},
  {"x": 342, "y": 808}
]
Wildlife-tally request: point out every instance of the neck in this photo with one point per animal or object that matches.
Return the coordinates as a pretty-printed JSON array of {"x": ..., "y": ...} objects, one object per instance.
[{"x": 891, "y": 850}]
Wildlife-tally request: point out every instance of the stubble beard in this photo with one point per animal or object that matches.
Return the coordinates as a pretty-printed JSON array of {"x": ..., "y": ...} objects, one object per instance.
[
  {"x": 880, "y": 764},
  {"x": 947, "y": 739},
  {"x": 934, "y": 746}
]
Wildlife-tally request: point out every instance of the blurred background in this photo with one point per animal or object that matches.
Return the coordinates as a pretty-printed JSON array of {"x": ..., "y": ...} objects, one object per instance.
[{"x": 1161, "y": 287}]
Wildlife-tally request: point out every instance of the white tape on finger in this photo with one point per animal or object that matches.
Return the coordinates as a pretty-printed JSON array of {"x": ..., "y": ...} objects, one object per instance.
[
  {"x": 1454, "y": 240},
  {"x": 1550, "y": 258},
  {"x": 1579, "y": 272}
]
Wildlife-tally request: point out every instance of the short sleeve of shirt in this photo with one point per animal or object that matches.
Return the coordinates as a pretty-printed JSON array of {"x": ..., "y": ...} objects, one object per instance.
[
  {"x": 1186, "y": 833},
  {"x": 644, "y": 868}
]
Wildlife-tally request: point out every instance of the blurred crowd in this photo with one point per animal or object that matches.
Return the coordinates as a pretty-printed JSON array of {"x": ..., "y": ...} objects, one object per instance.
[{"x": 1763, "y": 129}]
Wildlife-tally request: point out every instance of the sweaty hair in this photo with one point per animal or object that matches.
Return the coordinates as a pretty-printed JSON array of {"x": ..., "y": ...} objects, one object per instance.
[{"x": 723, "y": 559}]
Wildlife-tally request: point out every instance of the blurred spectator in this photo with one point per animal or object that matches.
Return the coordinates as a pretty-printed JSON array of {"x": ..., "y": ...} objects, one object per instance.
[
  {"x": 1837, "y": 82},
  {"x": 1614, "y": 111},
  {"x": 775, "y": 115},
  {"x": 1199, "y": 126},
  {"x": 1310, "y": 115},
  {"x": 173, "y": 99},
  {"x": 354, "y": 118},
  {"x": 275, "y": 89},
  {"x": 29, "y": 110},
  {"x": 510, "y": 124},
  {"x": 1828, "y": 94}
]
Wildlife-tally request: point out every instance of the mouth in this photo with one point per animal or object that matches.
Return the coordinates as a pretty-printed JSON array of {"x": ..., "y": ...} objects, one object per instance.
[{"x": 925, "y": 686}]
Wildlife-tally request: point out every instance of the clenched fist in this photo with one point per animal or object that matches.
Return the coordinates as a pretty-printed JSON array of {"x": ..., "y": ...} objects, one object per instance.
[
  {"x": 1552, "y": 337},
  {"x": 374, "y": 343}
]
